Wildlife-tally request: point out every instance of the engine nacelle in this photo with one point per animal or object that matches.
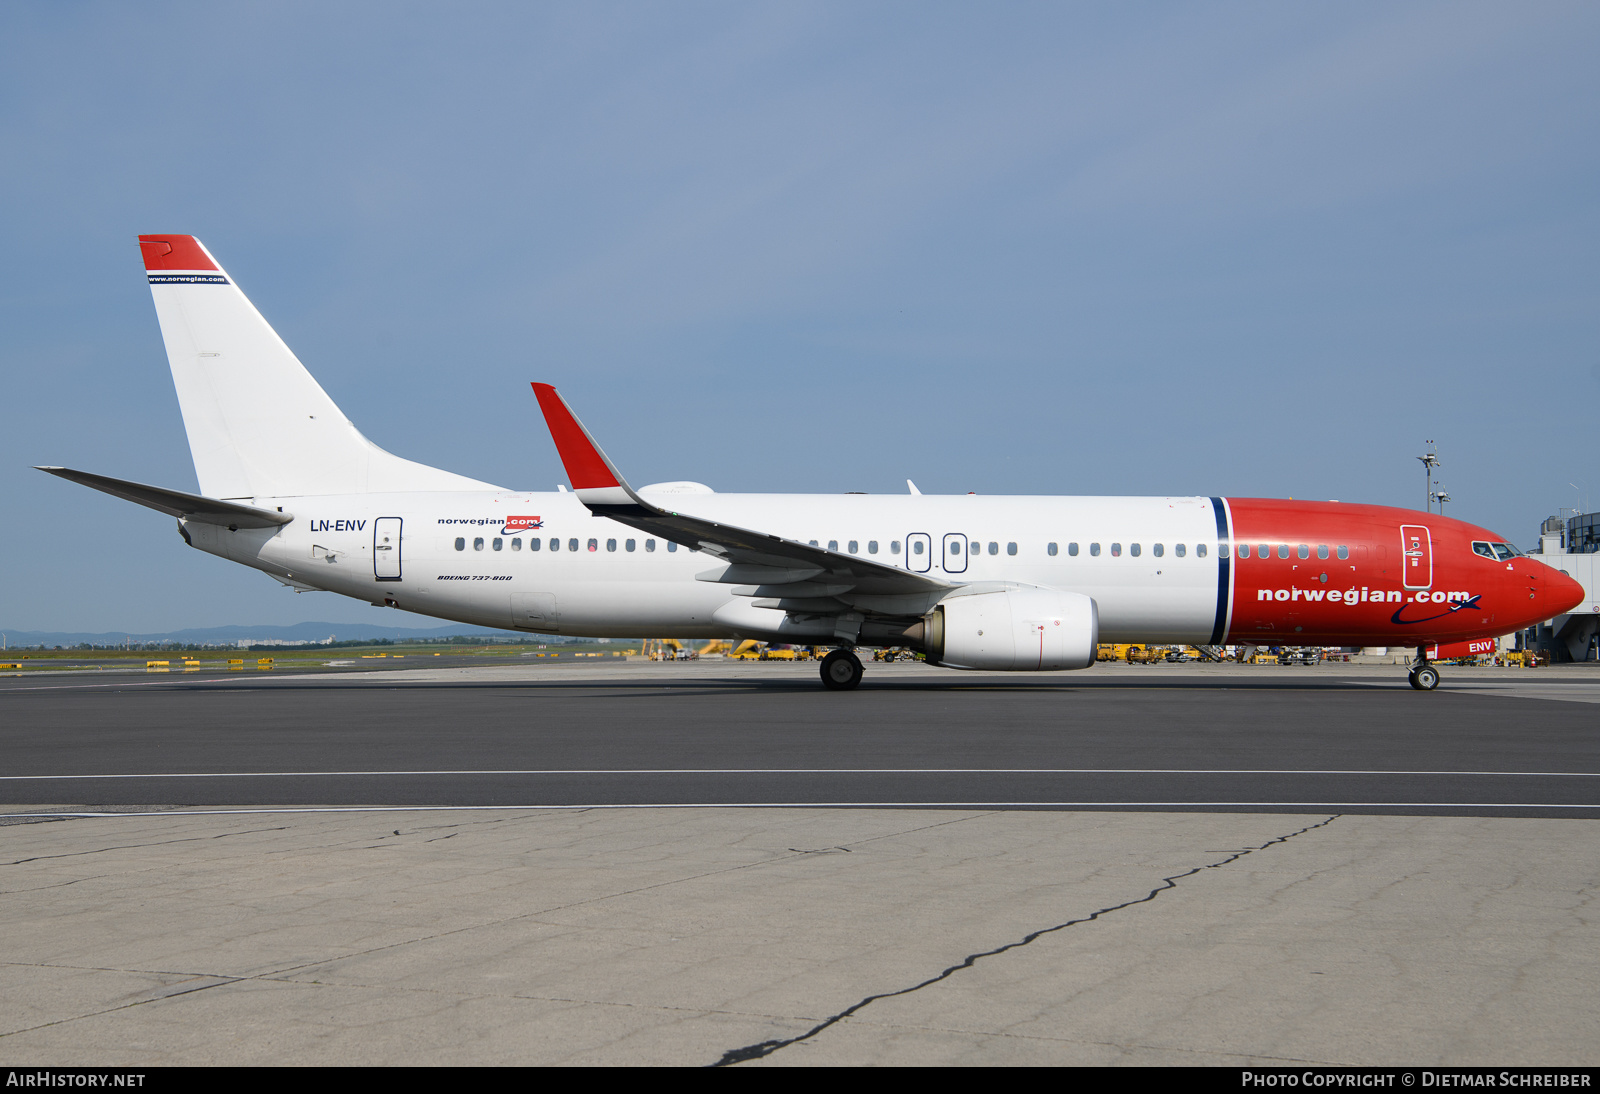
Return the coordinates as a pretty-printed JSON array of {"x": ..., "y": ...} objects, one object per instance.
[{"x": 1014, "y": 630}]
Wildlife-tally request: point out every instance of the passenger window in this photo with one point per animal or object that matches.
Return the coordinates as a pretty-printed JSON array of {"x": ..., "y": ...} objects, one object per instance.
[
  {"x": 461, "y": 544},
  {"x": 1156, "y": 549},
  {"x": 1283, "y": 550},
  {"x": 1264, "y": 550},
  {"x": 630, "y": 544},
  {"x": 1050, "y": 549},
  {"x": 1011, "y": 548},
  {"x": 533, "y": 544},
  {"x": 811, "y": 542},
  {"x": 555, "y": 545},
  {"x": 498, "y": 543},
  {"x": 1244, "y": 550},
  {"x": 611, "y": 545},
  {"x": 955, "y": 547},
  {"x": 1304, "y": 551},
  {"x": 855, "y": 547},
  {"x": 916, "y": 548},
  {"x": 1179, "y": 549},
  {"x": 594, "y": 544},
  {"x": 833, "y": 545},
  {"x": 572, "y": 545},
  {"x": 1116, "y": 550},
  {"x": 516, "y": 544},
  {"x": 872, "y": 546},
  {"x": 1200, "y": 550},
  {"x": 894, "y": 546},
  {"x": 649, "y": 545},
  {"x": 1094, "y": 550},
  {"x": 994, "y": 548},
  {"x": 1322, "y": 550},
  {"x": 1072, "y": 549},
  {"x": 1133, "y": 549},
  {"x": 477, "y": 544},
  {"x": 671, "y": 546},
  {"x": 1344, "y": 552}
]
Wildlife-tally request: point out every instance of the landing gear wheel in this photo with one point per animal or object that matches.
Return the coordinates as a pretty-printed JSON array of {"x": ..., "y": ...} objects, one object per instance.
[
  {"x": 1424, "y": 678},
  {"x": 841, "y": 670}
]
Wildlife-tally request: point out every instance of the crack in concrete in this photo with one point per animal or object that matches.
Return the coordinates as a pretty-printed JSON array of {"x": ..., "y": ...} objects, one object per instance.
[
  {"x": 141, "y": 846},
  {"x": 767, "y": 1048},
  {"x": 772, "y": 859},
  {"x": 286, "y": 974}
]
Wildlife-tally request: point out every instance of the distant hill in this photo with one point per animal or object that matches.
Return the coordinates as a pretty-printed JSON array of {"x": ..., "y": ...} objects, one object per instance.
[{"x": 297, "y": 632}]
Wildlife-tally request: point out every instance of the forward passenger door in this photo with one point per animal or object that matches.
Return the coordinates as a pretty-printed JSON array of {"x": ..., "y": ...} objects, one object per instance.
[{"x": 1416, "y": 555}]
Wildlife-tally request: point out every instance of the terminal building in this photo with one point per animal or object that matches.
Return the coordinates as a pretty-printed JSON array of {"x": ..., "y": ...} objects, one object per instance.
[{"x": 1573, "y": 547}]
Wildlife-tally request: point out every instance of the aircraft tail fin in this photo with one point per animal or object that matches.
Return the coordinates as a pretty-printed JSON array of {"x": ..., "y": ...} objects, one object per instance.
[{"x": 259, "y": 425}]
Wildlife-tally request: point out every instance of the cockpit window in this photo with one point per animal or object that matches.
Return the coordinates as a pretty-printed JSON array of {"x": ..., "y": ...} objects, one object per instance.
[
  {"x": 1481, "y": 548},
  {"x": 1505, "y": 550}
]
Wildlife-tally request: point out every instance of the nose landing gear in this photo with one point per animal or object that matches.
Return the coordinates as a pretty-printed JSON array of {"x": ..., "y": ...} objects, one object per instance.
[
  {"x": 841, "y": 670},
  {"x": 1423, "y": 676}
]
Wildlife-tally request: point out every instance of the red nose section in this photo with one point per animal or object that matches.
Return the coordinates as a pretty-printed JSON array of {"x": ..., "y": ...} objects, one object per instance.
[{"x": 1565, "y": 593}]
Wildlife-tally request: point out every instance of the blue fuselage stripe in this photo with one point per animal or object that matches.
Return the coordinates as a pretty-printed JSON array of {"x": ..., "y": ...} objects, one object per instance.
[{"x": 1224, "y": 561}]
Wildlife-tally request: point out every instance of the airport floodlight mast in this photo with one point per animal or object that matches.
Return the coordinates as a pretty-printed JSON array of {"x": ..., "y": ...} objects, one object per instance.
[{"x": 1429, "y": 462}]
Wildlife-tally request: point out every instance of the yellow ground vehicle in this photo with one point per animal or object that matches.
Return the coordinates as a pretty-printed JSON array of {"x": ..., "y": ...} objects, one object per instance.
[
  {"x": 1146, "y": 655},
  {"x": 667, "y": 649}
]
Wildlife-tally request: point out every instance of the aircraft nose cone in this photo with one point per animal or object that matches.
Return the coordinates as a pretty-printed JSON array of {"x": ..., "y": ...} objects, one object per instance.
[{"x": 1565, "y": 593}]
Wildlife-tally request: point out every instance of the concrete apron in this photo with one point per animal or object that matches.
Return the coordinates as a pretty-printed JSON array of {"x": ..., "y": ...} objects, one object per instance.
[{"x": 798, "y": 936}]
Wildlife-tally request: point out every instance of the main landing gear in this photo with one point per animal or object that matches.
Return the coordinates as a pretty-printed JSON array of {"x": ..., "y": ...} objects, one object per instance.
[
  {"x": 1423, "y": 676},
  {"x": 841, "y": 670}
]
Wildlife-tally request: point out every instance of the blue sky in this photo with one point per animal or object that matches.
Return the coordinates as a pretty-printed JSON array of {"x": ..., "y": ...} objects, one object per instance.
[{"x": 1255, "y": 249}]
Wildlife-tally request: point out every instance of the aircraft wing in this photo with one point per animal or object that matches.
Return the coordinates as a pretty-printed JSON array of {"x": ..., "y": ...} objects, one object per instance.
[
  {"x": 785, "y": 573},
  {"x": 175, "y": 503}
]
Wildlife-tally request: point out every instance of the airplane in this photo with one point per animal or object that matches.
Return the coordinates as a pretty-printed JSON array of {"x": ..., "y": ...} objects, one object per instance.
[{"x": 289, "y": 486}]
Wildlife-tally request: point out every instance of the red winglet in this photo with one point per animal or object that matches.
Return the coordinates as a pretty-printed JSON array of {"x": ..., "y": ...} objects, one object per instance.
[
  {"x": 586, "y": 467},
  {"x": 174, "y": 253}
]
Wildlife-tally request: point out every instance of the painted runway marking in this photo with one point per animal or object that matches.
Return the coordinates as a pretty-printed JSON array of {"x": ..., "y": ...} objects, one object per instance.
[
  {"x": 802, "y": 771},
  {"x": 1317, "y": 806}
]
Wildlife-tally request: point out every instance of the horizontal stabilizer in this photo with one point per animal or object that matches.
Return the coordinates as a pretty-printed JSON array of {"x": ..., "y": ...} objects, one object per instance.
[{"x": 175, "y": 503}]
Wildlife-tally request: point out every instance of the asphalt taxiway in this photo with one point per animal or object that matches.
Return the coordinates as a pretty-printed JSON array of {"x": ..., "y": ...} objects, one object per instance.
[
  {"x": 716, "y": 863},
  {"x": 1494, "y": 742}
]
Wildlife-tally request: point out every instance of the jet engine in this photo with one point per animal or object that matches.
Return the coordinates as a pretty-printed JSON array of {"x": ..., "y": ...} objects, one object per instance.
[{"x": 1013, "y": 630}]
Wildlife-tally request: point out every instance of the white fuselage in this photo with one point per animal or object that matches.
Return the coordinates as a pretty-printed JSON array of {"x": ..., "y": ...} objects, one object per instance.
[{"x": 463, "y": 556}]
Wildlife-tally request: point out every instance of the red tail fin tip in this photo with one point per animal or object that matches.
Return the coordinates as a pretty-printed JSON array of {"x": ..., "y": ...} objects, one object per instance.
[{"x": 169, "y": 252}]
